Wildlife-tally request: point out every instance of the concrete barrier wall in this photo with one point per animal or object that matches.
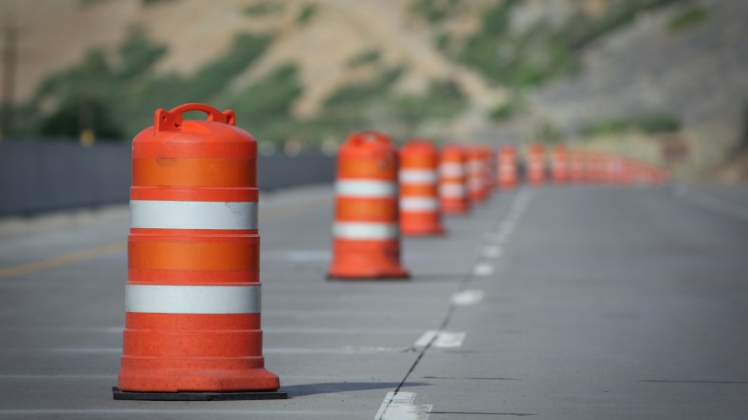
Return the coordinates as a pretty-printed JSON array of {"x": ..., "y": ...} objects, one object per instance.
[{"x": 48, "y": 176}]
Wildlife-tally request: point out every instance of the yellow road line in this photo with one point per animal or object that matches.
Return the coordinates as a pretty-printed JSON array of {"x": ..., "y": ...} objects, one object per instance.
[
  {"x": 63, "y": 260},
  {"x": 122, "y": 246}
]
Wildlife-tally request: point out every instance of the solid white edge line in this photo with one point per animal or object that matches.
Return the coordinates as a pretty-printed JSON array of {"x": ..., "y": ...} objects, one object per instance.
[{"x": 400, "y": 407}]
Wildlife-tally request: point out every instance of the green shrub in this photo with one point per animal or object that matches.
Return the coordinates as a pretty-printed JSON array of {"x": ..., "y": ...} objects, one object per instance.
[
  {"x": 443, "y": 101},
  {"x": 434, "y": 11},
  {"x": 364, "y": 58},
  {"x": 130, "y": 93},
  {"x": 306, "y": 14},
  {"x": 653, "y": 124},
  {"x": 690, "y": 17},
  {"x": 507, "y": 110},
  {"x": 262, "y": 8},
  {"x": 66, "y": 120}
]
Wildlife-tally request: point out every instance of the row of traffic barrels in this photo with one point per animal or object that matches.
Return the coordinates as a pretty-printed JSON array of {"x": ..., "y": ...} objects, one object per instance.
[
  {"x": 193, "y": 293},
  {"x": 383, "y": 193}
]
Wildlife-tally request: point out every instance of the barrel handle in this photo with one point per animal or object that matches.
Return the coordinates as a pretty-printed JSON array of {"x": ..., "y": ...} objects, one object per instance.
[
  {"x": 370, "y": 135},
  {"x": 172, "y": 120}
]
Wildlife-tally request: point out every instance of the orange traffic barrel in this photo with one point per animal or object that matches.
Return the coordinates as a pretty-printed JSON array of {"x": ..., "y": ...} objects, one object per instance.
[
  {"x": 536, "y": 164},
  {"x": 419, "y": 194},
  {"x": 475, "y": 174},
  {"x": 628, "y": 172},
  {"x": 560, "y": 164},
  {"x": 192, "y": 298},
  {"x": 366, "y": 237},
  {"x": 593, "y": 167},
  {"x": 576, "y": 166},
  {"x": 453, "y": 197},
  {"x": 615, "y": 169},
  {"x": 507, "y": 171},
  {"x": 489, "y": 177}
]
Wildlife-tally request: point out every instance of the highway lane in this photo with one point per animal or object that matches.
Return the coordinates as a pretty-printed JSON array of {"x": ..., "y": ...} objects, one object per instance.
[{"x": 572, "y": 302}]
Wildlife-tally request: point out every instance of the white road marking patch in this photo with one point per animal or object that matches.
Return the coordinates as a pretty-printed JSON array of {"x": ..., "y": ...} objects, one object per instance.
[
  {"x": 298, "y": 256},
  {"x": 400, "y": 407},
  {"x": 467, "y": 297},
  {"x": 441, "y": 339},
  {"x": 492, "y": 251},
  {"x": 483, "y": 269}
]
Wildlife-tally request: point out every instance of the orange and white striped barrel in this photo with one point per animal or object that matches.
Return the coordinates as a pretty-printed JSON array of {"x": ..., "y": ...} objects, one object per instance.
[
  {"x": 366, "y": 237},
  {"x": 453, "y": 197},
  {"x": 489, "y": 165},
  {"x": 476, "y": 181},
  {"x": 576, "y": 166},
  {"x": 536, "y": 164},
  {"x": 192, "y": 300},
  {"x": 615, "y": 167},
  {"x": 507, "y": 170},
  {"x": 489, "y": 177},
  {"x": 593, "y": 167},
  {"x": 419, "y": 193},
  {"x": 628, "y": 171},
  {"x": 560, "y": 164},
  {"x": 609, "y": 168}
]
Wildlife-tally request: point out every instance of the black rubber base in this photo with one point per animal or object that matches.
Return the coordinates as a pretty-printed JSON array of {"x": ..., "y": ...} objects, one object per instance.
[{"x": 199, "y": 396}]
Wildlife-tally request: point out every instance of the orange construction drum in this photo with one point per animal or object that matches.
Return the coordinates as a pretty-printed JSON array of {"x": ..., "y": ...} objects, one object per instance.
[
  {"x": 560, "y": 164},
  {"x": 576, "y": 166},
  {"x": 366, "y": 238},
  {"x": 193, "y": 296},
  {"x": 536, "y": 164},
  {"x": 419, "y": 196},
  {"x": 594, "y": 167},
  {"x": 507, "y": 167},
  {"x": 476, "y": 176},
  {"x": 453, "y": 197},
  {"x": 489, "y": 177}
]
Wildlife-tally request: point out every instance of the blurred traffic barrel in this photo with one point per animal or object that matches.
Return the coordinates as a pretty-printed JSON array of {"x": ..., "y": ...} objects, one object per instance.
[
  {"x": 560, "y": 164},
  {"x": 419, "y": 195},
  {"x": 576, "y": 166},
  {"x": 476, "y": 182},
  {"x": 536, "y": 164},
  {"x": 453, "y": 198},
  {"x": 507, "y": 167},
  {"x": 366, "y": 239}
]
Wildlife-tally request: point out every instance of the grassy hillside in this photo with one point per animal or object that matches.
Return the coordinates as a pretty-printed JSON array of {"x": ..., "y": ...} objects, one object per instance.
[{"x": 314, "y": 70}]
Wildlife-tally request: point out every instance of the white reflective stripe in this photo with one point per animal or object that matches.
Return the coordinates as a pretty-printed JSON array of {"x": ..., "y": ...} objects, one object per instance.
[
  {"x": 452, "y": 191},
  {"x": 365, "y": 188},
  {"x": 419, "y": 203},
  {"x": 364, "y": 230},
  {"x": 475, "y": 184},
  {"x": 417, "y": 176},
  {"x": 452, "y": 170},
  {"x": 159, "y": 214},
  {"x": 163, "y": 299}
]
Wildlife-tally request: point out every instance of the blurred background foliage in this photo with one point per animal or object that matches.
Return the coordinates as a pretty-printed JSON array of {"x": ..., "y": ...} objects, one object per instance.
[{"x": 116, "y": 96}]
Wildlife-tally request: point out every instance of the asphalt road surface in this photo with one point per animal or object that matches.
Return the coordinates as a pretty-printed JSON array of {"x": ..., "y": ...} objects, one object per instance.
[{"x": 576, "y": 302}]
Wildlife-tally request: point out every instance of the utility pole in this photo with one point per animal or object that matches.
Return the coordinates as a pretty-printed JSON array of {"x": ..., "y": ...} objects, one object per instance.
[{"x": 10, "y": 44}]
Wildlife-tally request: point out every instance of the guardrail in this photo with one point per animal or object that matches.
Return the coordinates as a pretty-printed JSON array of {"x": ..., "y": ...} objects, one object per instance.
[{"x": 40, "y": 176}]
